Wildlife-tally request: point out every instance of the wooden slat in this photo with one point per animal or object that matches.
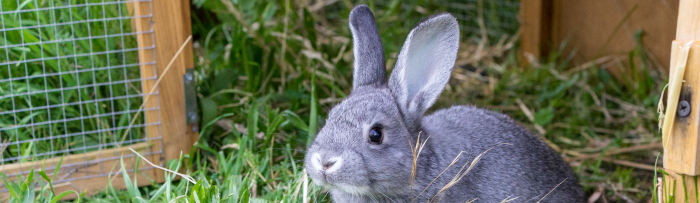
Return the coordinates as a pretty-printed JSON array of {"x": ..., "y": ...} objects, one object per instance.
[
  {"x": 92, "y": 164},
  {"x": 681, "y": 152},
  {"x": 535, "y": 23},
  {"x": 171, "y": 22},
  {"x": 688, "y": 26},
  {"x": 679, "y": 188},
  {"x": 148, "y": 72}
]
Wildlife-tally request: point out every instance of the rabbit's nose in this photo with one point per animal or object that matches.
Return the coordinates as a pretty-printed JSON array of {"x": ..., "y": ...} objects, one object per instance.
[
  {"x": 332, "y": 164},
  {"x": 326, "y": 164}
]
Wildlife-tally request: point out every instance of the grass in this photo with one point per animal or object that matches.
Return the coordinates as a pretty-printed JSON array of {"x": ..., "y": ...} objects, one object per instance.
[{"x": 268, "y": 71}]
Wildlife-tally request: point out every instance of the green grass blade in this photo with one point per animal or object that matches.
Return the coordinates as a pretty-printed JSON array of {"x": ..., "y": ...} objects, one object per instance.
[{"x": 62, "y": 195}]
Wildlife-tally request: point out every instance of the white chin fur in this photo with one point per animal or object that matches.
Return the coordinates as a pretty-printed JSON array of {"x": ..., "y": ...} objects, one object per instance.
[{"x": 352, "y": 189}]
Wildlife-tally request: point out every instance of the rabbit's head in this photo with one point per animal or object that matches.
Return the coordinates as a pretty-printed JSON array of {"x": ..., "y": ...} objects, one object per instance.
[{"x": 365, "y": 146}]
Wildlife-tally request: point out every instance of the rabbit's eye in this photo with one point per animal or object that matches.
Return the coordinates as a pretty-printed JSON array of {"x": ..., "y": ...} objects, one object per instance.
[{"x": 375, "y": 135}]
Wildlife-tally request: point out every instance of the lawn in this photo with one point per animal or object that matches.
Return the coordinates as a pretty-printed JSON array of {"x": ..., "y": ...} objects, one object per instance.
[{"x": 269, "y": 71}]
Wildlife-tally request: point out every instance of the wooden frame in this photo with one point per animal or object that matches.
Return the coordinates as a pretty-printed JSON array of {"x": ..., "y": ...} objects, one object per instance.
[
  {"x": 681, "y": 131},
  {"x": 170, "y": 139}
]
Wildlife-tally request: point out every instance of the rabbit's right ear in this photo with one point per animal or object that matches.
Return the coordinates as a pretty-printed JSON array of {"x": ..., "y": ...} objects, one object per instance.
[{"x": 369, "y": 69}]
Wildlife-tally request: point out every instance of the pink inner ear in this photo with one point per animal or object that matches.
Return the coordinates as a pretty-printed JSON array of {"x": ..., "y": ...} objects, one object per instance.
[
  {"x": 422, "y": 61},
  {"x": 426, "y": 61}
]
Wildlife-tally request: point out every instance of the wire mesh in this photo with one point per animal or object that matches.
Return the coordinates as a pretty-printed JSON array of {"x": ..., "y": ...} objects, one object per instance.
[
  {"x": 70, "y": 80},
  {"x": 500, "y": 17}
]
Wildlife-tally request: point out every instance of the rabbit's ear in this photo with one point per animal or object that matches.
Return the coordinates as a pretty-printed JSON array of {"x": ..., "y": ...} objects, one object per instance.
[
  {"x": 424, "y": 64},
  {"x": 369, "y": 68}
]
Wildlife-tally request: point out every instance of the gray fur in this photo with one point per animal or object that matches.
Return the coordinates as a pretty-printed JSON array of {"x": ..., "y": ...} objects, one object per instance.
[
  {"x": 367, "y": 47},
  {"x": 514, "y": 164}
]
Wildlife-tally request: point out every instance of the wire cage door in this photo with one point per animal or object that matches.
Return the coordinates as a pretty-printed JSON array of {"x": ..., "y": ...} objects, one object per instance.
[{"x": 78, "y": 89}]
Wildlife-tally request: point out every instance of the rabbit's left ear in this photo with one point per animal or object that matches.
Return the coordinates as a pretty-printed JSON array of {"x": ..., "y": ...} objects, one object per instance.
[{"x": 424, "y": 64}]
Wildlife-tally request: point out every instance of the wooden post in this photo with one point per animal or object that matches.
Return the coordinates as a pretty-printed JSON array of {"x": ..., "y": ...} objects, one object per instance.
[
  {"x": 171, "y": 27},
  {"x": 681, "y": 134},
  {"x": 535, "y": 24},
  {"x": 171, "y": 23}
]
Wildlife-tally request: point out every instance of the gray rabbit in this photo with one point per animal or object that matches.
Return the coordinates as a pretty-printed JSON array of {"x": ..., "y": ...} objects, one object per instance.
[{"x": 377, "y": 146}]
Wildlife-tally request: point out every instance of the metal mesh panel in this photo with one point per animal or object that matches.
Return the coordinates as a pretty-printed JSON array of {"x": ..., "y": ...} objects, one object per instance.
[
  {"x": 500, "y": 17},
  {"x": 70, "y": 79}
]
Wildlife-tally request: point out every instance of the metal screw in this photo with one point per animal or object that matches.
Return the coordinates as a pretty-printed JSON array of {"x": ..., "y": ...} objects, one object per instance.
[
  {"x": 192, "y": 116},
  {"x": 188, "y": 76},
  {"x": 683, "y": 108}
]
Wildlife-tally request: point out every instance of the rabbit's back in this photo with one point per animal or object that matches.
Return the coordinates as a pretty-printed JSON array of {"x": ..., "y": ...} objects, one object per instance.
[{"x": 515, "y": 164}]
